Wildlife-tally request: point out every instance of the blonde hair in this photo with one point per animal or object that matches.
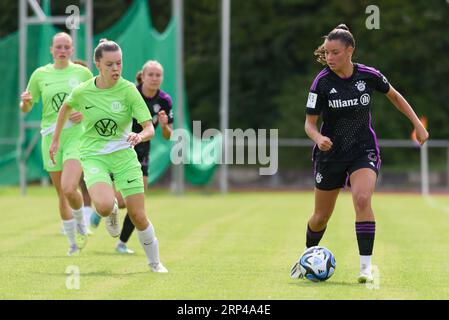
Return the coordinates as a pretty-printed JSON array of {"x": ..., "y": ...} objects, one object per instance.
[
  {"x": 65, "y": 34},
  {"x": 148, "y": 64}
]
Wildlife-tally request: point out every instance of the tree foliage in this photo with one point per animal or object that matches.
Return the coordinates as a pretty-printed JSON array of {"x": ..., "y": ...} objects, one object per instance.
[{"x": 272, "y": 63}]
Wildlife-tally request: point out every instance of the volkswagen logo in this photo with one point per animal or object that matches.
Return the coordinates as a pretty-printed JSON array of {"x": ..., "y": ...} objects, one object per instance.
[
  {"x": 57, "y": 100},
  {"x": 106, "y": 127}
]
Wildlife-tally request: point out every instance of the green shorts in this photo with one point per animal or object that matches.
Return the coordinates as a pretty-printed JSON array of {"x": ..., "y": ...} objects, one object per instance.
[
  {"x": 123, "y": 164},
  {"x": 68, "y": 148}
]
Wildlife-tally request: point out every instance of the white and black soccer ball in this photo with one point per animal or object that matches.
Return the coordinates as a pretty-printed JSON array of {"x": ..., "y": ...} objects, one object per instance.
[{"x": 317, "y": 264}]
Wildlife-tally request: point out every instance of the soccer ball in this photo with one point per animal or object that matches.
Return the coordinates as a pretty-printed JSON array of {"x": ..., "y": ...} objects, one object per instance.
[{"x": 317, "y": 264}]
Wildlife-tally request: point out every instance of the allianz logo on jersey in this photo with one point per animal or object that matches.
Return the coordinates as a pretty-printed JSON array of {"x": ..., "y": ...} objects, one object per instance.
[{"x": 338, "y": 103}]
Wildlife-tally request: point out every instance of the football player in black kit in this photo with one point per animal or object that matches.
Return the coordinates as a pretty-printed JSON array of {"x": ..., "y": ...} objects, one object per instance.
[
  {"x": 346, "y": 147},
  {"x": 149, "y": 80}
]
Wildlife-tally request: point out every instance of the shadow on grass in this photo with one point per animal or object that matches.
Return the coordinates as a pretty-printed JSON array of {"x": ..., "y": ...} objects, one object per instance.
[
  {"x": 99, "y": 273},
  {"x": 86, "y": 254},
  {"x": 37, "y": 257},
  {"x": 110, "y": 253},
  {"x": 326, "y": 284}
]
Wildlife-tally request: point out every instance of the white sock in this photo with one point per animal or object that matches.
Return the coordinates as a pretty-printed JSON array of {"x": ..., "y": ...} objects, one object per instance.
[
  {"x": 365, "y": 264},
  {"x": 79, "y": 217},
  {"x": 70, "y": 230},
  {"x": 121, "y": 243},
  {"x": 87, "y": 211},
  {"x": 149, "y": 244}
]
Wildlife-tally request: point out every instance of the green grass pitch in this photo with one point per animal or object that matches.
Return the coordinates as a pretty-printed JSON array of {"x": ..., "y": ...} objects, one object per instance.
[{"x": 239, "y": 246}]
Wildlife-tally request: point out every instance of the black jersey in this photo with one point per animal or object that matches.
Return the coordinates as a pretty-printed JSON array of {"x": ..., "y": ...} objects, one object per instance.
[
  {"x": 345, "y": 106},
  {"x": 161, "y": 101}
]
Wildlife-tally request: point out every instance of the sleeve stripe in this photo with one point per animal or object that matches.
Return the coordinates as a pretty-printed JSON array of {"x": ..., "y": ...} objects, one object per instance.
[
  {"x": 364, "y": 68},
  {"x": 322, "y": 74},
  {"x": 166, "y": 97}
]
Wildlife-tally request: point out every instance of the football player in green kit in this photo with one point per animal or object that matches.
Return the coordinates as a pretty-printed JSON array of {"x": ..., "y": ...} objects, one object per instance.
[
  {"x": 53, "y": 83},
  {"x": 108, "y": 104}
]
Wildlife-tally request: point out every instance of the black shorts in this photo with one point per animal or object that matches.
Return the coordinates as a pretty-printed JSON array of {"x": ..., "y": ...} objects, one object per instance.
[
  {"x": 144, "y": 160},
  {"x": 335, "y": 175}
]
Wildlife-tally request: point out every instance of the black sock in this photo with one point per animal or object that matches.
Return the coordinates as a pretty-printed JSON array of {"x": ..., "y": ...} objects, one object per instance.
[
  {"x": 127, "y": 230},
  {"x": 365, "y": 232},
  {"x": 313, "y": 238}
]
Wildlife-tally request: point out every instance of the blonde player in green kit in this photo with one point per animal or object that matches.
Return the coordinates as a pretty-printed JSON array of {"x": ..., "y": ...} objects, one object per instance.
[
  {"x": 108, "y": 104},
  {"x": 53, "y": 83}
]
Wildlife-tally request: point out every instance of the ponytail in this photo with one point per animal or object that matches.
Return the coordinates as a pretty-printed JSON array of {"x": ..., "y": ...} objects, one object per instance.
[
  {"x": 139, "y": 76},
  {"x": 320, "y": 55}
]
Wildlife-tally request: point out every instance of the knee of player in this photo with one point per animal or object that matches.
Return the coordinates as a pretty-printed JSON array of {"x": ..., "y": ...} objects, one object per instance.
[
  {"x": 139, "y": 219},
  {"x": 362, "y": 200},
  {"x": 104, "y": 208},
  {"x": 320, "y": 219},
  {"x": 69, "y": 189}
]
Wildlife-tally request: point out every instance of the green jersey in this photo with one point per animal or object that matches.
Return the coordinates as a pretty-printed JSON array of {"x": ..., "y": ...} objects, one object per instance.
[
  {"x": 107, "y": 115},
  {"x": 54, "y": 86}
]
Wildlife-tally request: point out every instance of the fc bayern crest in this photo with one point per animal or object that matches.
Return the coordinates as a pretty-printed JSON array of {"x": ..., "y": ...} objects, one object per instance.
[{"x": 361, "y": 85}]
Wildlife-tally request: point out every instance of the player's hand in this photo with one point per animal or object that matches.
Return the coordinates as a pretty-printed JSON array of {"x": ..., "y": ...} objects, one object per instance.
[
  {"x": 421, "y": 135},
  {"x": 53, "y": 149},
  {"x": 134, "y": 139},
  {"x": 27, "y": 99},
  {"x": 76, "y": 117},
  {"x": 162, "y": 118},
  {"x": 324, "y": 143}
]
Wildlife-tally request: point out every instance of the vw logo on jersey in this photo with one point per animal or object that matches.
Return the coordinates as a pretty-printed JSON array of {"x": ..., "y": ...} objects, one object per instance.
[
  {"x": 116, "y": 106},
  {"x": 57, "y": 100},
  {"x": 361, "y": 85},
  {"x": 73, "y": 82},
  {"x": 157, "y": 108},
  {"x": 106, "y": 127},
  {"x": 365, "y": 99}
]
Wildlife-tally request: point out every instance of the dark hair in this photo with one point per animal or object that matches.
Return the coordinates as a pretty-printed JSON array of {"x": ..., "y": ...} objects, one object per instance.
[
  {"x": 105, "y": 45},
  {"x": 342, "y": 33}
]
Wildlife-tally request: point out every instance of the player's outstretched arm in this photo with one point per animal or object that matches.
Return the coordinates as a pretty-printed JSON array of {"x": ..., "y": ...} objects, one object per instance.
[
  {"x": 403, "y": 106},
  {"x": 63, "y": 116}
]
